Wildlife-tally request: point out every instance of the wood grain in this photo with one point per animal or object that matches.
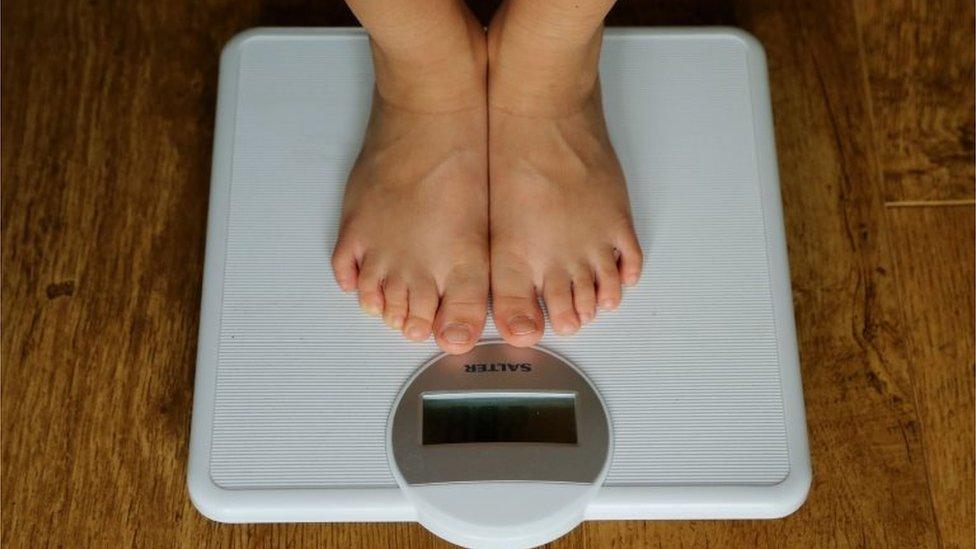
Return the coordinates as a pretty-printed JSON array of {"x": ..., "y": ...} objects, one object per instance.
[
  {"x": 920, "y": 59},
  {"x": 107, "y": 114},
  {"x": 923, "y": 119},
  {"x": 934, "y": 266}
]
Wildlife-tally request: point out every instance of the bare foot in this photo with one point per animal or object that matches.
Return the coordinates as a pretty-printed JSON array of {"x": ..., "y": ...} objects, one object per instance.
[
  {"x": 560, "y": 216},
  {"x": 414, "y": 233}
]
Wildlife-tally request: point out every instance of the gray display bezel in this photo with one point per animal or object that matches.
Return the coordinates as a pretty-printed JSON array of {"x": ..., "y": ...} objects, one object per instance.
[{"x": 582, "y": 462}]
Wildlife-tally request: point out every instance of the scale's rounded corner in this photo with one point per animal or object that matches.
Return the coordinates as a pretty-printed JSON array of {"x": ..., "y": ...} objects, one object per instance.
[
  {"x": 210, "y": 500},
  {"x": 236, "y": 42},
  {"x": 752, "y": 44},
  {"x": 793, "y": 492}
]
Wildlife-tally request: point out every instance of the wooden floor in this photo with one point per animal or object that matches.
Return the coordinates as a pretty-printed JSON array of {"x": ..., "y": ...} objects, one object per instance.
[{"x": 107, "y": 113}]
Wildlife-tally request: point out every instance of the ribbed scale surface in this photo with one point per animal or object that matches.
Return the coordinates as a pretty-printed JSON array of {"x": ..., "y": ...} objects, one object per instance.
[{"x": 688, "y": 366}]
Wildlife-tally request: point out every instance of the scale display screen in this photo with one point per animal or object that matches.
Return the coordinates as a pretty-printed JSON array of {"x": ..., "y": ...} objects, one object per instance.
[{"x": 457, "y": 418}]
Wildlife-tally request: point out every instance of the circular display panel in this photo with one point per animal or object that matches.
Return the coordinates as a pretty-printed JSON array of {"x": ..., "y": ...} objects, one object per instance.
[{"x": 502, "y": 443}]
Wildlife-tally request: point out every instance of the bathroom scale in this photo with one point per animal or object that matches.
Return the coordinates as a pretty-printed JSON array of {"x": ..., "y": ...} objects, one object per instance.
[{"x": 685, "y": 403}]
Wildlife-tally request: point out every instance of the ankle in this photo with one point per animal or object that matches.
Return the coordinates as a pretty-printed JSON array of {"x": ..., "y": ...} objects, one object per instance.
[
  {"x": 440, "y": 69},
  {"x": 542, "y": 69}
]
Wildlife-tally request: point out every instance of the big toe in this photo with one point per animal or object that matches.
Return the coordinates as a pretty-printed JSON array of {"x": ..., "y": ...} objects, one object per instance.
[
  {"x": 463, "y": 308},
  {"x": 515, "y": 305}
]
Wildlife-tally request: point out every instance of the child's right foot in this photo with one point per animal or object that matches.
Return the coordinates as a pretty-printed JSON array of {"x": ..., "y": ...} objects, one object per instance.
[{"x": 414, "y": 233}]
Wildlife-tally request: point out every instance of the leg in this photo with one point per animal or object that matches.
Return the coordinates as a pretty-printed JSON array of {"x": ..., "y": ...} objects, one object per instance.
[
  {"x": 414, "y": 234},
  {"x": 560, "y": 217}
]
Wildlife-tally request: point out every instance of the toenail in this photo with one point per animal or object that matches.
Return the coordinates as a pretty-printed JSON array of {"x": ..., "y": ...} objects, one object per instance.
[
  {"x": 586, "y": 318},
  {"x": 416, "y": 332},
  {"x": 521, "y": 325},
  {"x": 456, "y": 333},
  {"x": 608, "y": 304},
  {"x": 371, "y": 308},
  {"x": 397, "y": 322},
  {"x": 565, "y": 329}
]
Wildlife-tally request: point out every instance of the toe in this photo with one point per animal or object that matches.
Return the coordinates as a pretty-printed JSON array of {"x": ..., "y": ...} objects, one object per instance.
[
  {"x": 584, "y": 297},
  {"x": 515, "y": 305},
  {"x": 558, "y": 293},
  {"x": 395, "y": 302},
  {"x": 344, "y": 266},
  {"x": 422, "y": 304},
  {"x": 370, "y": 290},
  {"x": 607, "y": 282},
  {"x": 631, "y": 258},
  {"x": 463, "y": 307}
]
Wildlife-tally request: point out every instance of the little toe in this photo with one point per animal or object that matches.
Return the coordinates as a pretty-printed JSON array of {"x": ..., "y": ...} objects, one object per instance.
[
  {"x": 515, "y": 306},
  {"x": 558, "y": 294},
  {"x": 463, "y": 308},
  {"x": 344, "y": 266},
  {"x": 395, "y": 302},
  {"x": 422, "y": 304},
  {"x": 607, "y": 283},
  {"x": 370, "y": 290},
  {"x": 631, "y": 258},
  {"x": 584, "y": 297}
]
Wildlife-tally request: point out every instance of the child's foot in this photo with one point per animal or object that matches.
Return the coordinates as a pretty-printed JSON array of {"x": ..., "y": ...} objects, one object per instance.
[
  {"x": 560, "y": 217},
  {"x": 414, "y": 234}
]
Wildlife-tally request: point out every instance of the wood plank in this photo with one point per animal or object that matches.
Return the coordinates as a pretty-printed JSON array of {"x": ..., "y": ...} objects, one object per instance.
[
  {"x": 107, "y": 120},
  {"x": 934, "y": 261},
  {"x": 920, "y": 59}
]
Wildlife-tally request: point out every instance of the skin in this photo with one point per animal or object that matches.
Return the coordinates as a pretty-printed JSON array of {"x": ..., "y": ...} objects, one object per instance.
[
  {"x": 560, "y": 217},
  {"x": 425, "y": 233},
  {"x": 414, "y": 235}
]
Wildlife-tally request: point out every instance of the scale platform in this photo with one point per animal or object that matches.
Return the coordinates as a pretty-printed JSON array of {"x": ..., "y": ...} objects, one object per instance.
[{"x": 697, "y": 373}]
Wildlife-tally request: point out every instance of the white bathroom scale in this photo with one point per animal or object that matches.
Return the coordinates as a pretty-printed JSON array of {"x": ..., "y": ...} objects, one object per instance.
[{"x": 683, "y": 404}]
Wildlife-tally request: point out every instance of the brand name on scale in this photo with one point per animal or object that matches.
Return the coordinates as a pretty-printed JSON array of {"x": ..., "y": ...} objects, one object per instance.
[{"x": 498, "y": 367}]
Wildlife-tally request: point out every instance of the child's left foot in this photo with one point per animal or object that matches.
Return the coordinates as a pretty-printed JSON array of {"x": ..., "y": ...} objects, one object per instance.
[{"x": 560, "y": 215}]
